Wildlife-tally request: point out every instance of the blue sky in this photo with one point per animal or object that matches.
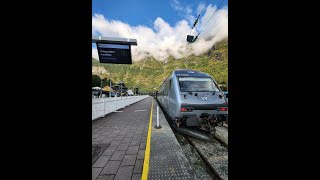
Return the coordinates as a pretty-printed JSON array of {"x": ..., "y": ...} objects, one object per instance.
[
  {"x": 159, "y": 19},
  {"x": 141, "y": 12}
]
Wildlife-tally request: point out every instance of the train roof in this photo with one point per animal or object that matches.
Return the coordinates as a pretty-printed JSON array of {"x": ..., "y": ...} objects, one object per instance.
[{"x": 190, "y": 72}]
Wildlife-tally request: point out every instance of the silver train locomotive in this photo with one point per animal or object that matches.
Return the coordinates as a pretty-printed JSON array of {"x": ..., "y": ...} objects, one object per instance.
[{"x": 193, "y": 98}]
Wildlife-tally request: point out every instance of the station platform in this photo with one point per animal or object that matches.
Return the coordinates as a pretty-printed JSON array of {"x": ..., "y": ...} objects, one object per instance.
[
  {"x": 167, "y": 159},
  {"x": 129, "y": 147}
]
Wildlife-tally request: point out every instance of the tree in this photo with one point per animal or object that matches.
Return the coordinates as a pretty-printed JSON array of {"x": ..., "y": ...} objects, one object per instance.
[
  {"x": 102, "y": 73},
  {"x": 96, "y": 81}
]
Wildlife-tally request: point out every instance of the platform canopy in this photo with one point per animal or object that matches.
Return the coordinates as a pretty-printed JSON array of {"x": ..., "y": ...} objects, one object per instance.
[{"x": 113, "y": 40}]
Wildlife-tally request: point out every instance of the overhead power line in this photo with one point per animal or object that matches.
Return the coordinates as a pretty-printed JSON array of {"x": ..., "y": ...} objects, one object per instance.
[
  {"x": 191, "y": 38},
  {"x": 196, "y": 21},
  {"x": 210, "y": 17}
]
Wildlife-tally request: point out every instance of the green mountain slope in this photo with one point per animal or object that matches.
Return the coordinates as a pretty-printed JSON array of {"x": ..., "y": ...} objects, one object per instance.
[{"x": 148, "y": 74}]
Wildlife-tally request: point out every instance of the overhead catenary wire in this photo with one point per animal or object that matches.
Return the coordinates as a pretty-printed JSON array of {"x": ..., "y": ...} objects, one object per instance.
[
  {"x": 209, "y": 19},
  {"x": 196, "y": 21}
]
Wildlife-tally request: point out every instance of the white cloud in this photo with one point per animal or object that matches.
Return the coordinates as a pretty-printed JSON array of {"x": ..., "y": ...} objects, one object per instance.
[
  {"x": 175, "y": 4},
  {"x": 200, "y": 7},
  {"x": 164, "y": 40},
  {"x": 95, "y": 53},
  {"x": 184, "y": 11},
  {"x": 188, "y": 10}
]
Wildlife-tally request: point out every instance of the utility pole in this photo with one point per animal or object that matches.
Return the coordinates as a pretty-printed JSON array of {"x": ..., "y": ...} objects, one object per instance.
[
  {"x": 121, "y": 91},
  {"x": 101, "y": 89},
  {"x": 110, "y": 89}
]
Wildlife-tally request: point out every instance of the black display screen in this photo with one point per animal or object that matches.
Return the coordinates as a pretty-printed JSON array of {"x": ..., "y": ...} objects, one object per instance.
[{"x": 114, "y": 53}]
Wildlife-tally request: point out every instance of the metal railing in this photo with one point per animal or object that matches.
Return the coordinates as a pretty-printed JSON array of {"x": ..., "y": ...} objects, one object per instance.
[{"x": 104, "y": 106}]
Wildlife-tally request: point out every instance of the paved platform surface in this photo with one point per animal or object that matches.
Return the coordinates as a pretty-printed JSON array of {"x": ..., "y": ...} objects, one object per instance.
[
  {"x": 125, "y": 133},
  {"x": 167, "y": 159},
  {"x": 125, "y": 136}
]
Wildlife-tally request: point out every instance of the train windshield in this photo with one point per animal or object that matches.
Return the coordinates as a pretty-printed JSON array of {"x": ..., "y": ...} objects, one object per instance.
[{"x": 197, "y": 84}]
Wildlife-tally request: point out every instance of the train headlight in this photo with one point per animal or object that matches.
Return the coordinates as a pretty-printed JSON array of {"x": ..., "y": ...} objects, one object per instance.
[
  {"x": 222, "y": 109},
  {"x": 183, "y": 109}
]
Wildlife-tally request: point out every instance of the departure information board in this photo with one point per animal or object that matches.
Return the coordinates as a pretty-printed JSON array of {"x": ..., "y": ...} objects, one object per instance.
[{"x": 114, "y": 53}]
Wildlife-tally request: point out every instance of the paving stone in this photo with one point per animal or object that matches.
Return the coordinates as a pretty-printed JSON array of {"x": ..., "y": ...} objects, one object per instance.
[
  {"x": 135, "y": 142},
  {"x": 136, "y": 177},
  {"x": 128, "y": 160},
  {"x": 141, "y": 154},
  {"x": 123, "y": 133},
  {"x": 126, "y": 140},
  {"x": 118, "y": 155},
  {"x": 115, "y": 143},
  {"x": 137, "y": 136},
  {"x": 101, "y": 161},
  {"x": 138, "y": 132},
  {"x": 112, "y": 148},
  {"x": 111, "y": 167},
  {"x": 133, "y": 150},
  {"x": 129, "y": 134},
  {"x": 106, "y": 133},
  {"x": 105, "y": 177},
  {"x": 124, "y": 173},
  {"x": 95, "y": 135},
  {"x": 107, "y": 140},
  {"x": 100, "y": 131},
  {"x": 95, "y": 172},
  {"x": 96, "y": 142},
  {"x": 112, "y": 135},
  {"x": 138, "y": 166},
  {"x": 119, "y": 138},
  {"x": 142, "y": 146},
  {"x": 116, "y": 131},
  {"x": 143, "y": 140},
  {"x": 123, "y": 147},
  {"x": 101, "y": 138},
  {"x": 108, "y": 152}
]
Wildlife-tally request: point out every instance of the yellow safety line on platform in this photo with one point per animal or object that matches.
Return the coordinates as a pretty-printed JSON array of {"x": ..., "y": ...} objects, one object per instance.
[{"x": 145, "y": 170}]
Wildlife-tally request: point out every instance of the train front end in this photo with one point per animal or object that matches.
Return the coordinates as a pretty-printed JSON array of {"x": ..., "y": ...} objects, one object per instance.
[{"x": 202, "y": 103}]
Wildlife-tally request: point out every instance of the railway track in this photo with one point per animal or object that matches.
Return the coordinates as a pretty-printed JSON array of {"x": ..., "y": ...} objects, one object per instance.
[
  {"x": 221, "y": 135},
  {"x": 213, "y": 155},
  {"x": 200, "y": 167},
  {"x": 209, "y": 155}
]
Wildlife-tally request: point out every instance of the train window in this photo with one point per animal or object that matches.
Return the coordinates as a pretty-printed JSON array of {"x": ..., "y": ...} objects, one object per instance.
[
  {"x": 170, "y": 84},
  {"x": 200, "y": 84}
]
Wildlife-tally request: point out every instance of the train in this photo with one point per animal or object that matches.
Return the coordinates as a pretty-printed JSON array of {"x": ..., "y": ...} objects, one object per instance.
[{"x": 191, "y": 98}]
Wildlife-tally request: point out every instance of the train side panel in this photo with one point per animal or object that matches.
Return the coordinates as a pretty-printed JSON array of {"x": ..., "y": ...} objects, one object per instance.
[{"x": 174, "y": 96}]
